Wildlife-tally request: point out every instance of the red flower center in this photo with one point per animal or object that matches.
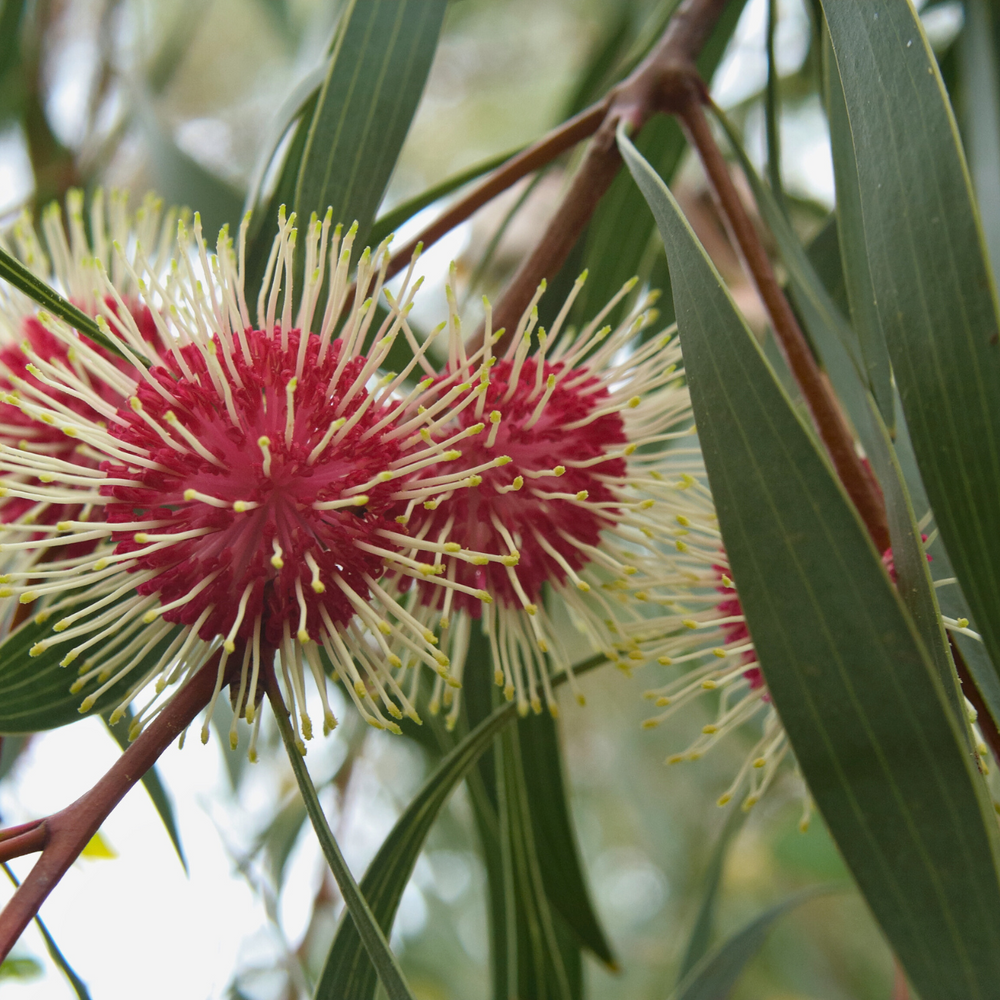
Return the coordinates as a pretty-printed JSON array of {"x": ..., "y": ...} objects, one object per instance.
[
  {"x": 544, "y": 501},
  {"x": 254, "y": 487}
]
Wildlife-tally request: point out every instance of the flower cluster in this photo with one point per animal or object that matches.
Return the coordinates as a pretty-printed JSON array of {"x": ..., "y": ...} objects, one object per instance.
[
  {"x": 241, "y": 490},
  {"x": 224, "y": 487}
]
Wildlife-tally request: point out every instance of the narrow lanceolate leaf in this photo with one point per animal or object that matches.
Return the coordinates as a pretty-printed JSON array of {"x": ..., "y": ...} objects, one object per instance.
[
  {"x": 716, "y": 975},
  {"x": 35, "y": 690},
  {"x": 12, "y": 270},
  {"x": 850, "y": 228},
  {"x": 349, "y": 137},
  {"x": 555, "y": 836},
  {"x": 348, "y": 973},
  {"x": 540, "y": 960},
  {"x": 863, "y": 705},
  {"x": 701, "y": 933},
  {"x": 933, "y": 289}
]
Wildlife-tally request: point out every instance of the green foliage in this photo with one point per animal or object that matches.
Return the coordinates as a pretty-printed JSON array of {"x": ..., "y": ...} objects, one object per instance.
[
  {"x": 350, "y": 132},
  {"x": 934, "y": 294},
  {"x": 917, "y": 829}
]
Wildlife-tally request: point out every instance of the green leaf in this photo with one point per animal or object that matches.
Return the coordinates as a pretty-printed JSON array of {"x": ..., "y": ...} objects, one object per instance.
[
  {"x": 555, "y": 836},
  {"x": 34, "y": 690},
  {"x": 716, "y": 975},
  {"x": 701, "y": 933},
  {"x": 154, "y": 786},
  {"x": 349, "y": 135},
  {"x": 12, "y": 270},
  {"x": 934, "y": 292},
  {"x": 538, "y": 962},
  {"x": 834, "y": 339},
  {"x": 348, "y": 973},
  {"x": 864, "y": 708},
  {"x": 850, "y": 230}
]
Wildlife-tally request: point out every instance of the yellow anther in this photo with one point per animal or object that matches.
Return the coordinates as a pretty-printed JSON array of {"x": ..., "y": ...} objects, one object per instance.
[
  {"x": 719, "y": 652},
  {"x": 532, "y": 609},
  {"x": 582, "y": 495},
  {"x": 961, "y": 623},
  {"x": 559, "y": 470},
  {"x": 452, "y": 547},
  {"x": 681, "y": 546},
  {"x": 682, "y": 520},
  {"x": 710, "y": 729},
  {"x": 760, "y": 762},
  {"x": 37, "y": 649},
  {"x": 584, "y": 586},
  {"x": 634, "y": 402},
  {"x": 141, "y": 537},
  {"x": 361, "y": 500},
  {"x": 190, "y": 494},
  {"x": 709, "y": 685},
  {"x": 303, "y": 636},
  {"x": 506, "y": 459},
  {"x": 726, "y": 582},
  {"x": 28, "y": 597},
  {"x": 675, "y": 758},
  {"x": 724, "y": 800},
  {"x": 495, "y": 417}
]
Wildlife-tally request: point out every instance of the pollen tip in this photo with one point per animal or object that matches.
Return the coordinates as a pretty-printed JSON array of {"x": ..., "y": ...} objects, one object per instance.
[
  {"x": 234, "y": 740},
  {"x": 303, "y": 636},
  {"x": 675, "y": 758},
  {"x": 141, "y": 538},
  {"x": 709, "y": 684},
  {"x": 150, "y": 616},
  {"x": 532, "y": 609},
  {"x": 277, "y": 562},
  {"x": 582, "y": 585},
  {"x": 749, "y": 802},
  {"x": 229, "y": 646},
  {"x": 559, "y": 470},
  {"x": 508, "y": 692},
  {"x": 395, "y": 661},
  {"x": 329, "y": 722},
  {"x": 249, "y": 714},
  {"x": 710, "y": 729},
  {"x": 87, "y": 704},
  {"x": 28, "y": 597},
  {"x": 689, "y": 623},
  {"x": 307, "y": 726},
  {"x": 484, "y": 597},
  {"x": 37, "y": 649},
  {"x": 724, "y": 800},
  {"x": 204, "y": 733},
  {"x": 360, "y": 690},
  {"x": 662, "y": 702}
]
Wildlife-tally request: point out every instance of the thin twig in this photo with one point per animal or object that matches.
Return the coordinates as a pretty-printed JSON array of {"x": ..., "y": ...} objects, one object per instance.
[
  {"x": 63, "y": 835},
  {"x": 663, "y": 80},
  {"x": 527, "y": 161},
  {"x": 826, "y": 414},
  {"x": 369, "y": 931}
]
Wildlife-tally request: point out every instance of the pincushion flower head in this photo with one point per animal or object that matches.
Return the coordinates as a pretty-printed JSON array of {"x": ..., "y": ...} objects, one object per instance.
[
  {"x": 236, "y": 481},
  {"x": 562, "y": 515}
]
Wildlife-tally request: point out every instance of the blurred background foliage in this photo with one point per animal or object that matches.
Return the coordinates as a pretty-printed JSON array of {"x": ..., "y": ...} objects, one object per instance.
[{"x": 189, "y": 97}]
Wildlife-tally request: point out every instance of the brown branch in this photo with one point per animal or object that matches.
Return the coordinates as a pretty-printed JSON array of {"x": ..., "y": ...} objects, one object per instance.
[
  {"x": 832, "y": 428},
  {"x": 663, "y": 80},
  {"x": 63, "y": 835},
  {"x": 527, "y": 161}
]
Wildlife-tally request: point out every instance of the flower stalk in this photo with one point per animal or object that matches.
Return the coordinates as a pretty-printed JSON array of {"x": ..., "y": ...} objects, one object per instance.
[{"x": 370, "y": 932}]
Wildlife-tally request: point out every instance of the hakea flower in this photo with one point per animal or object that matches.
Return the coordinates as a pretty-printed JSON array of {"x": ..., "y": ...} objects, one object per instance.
[
  {"x": 567, "y": 517},
  {"x": 238, "y": 495}
]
